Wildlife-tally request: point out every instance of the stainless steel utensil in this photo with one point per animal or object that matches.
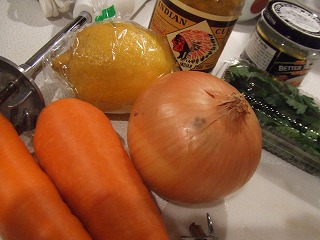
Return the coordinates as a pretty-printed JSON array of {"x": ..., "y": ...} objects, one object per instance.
[
  {"x": 20, "y": 98},
  {"x": 197, "y": 232}
]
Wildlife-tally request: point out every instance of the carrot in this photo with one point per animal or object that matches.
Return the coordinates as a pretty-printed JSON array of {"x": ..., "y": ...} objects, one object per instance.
[
  {"x": 30, "y": 205},
  {"x": 78, "y": 148}
]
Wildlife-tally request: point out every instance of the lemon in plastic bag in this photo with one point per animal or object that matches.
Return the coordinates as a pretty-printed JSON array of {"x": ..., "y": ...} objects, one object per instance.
[{"x": 110, "y": 63}]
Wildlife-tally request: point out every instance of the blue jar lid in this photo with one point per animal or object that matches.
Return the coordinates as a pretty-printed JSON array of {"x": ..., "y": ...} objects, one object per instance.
[{"x": 294, "y": 22}]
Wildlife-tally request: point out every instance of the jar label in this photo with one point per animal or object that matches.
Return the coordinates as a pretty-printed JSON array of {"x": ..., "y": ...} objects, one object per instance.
[
  {"x": 196, "y": 38},
  {"x": 278, "y": 63}
]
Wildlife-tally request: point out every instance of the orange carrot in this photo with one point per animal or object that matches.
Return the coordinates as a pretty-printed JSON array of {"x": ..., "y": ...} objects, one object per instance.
[
  {"x": 78, "y": 148},
  {"x": 30, "y": 205}
]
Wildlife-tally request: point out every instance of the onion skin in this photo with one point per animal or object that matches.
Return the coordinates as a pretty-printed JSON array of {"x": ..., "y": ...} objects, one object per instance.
[{"x": 194, "y": 138}]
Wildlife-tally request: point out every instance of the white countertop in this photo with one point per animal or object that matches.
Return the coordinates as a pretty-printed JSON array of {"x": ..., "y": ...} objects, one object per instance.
[{"x": 279, "y": 202}]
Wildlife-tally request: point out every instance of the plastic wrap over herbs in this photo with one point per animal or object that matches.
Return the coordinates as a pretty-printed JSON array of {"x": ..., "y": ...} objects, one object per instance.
[
  {"x": 289, "y": 118},
  {"x": 109, "y": 63}
]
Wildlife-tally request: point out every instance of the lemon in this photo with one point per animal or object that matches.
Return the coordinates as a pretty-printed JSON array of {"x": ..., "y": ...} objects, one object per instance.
[{"x": 111, "y": 63}]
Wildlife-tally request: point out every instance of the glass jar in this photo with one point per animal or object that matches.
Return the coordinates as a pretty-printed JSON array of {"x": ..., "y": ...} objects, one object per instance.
[
  {"x": 286, "y": 42},
  {"x": 196, "y": 30}
]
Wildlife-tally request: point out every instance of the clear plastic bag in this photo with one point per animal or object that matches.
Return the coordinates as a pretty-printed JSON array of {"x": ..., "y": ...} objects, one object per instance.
[
  {"x": 109, "y": 63},
  {"x": 124, "y": 8},
  {"x": 290, "y": 118}
]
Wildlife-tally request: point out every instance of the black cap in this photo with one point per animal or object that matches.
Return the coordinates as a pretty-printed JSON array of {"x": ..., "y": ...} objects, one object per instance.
[{"x": 294, "y": 22}]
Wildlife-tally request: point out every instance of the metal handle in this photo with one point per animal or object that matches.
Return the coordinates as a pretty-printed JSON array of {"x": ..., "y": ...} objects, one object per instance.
[
  {"x": 34, "y": 65},
  {"x": 20, "y": 99}
]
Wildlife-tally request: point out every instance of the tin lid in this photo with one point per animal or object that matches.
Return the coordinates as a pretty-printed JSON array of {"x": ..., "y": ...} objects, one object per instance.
[{"x": 294, "y": 22}]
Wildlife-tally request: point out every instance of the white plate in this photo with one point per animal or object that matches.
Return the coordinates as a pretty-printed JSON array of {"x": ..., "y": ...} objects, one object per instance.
[{"x": 279, "y": 202}]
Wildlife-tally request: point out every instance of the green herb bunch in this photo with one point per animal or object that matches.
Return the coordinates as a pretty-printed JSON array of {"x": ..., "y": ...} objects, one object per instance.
[{"x": 280, "y": 107}]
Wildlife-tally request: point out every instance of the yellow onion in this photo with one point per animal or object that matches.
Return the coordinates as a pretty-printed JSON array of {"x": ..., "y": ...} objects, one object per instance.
[{"x": 194, "y": 138}]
